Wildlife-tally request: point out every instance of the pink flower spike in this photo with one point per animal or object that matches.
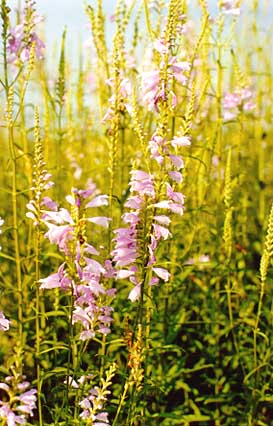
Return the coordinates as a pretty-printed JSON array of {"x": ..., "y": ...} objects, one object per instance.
[
  {"x": 140, "y": 175},
  {"x": 162, "y": 273},
  {"x": 150, "y": 80},
  {"x": 87, "y": 335},
  {"x": 94, "y": 267}
]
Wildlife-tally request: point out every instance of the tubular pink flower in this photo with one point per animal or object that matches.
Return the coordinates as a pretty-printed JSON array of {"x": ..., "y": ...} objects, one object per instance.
[
  {"x": 177, "y": 161},
  {"x": 134, "y": 294},
  {"x": 161, "y": 46},
  {"x": 59, "y": 235},
  {"x": 161, "y": 232},
  {"x": 181, "y": 141},
  {"x": 176, "y": 176},
  {"x": 23, "y": 404},
  {"x": 162, "y": 273},
  {"x": 4, "y": 322}
]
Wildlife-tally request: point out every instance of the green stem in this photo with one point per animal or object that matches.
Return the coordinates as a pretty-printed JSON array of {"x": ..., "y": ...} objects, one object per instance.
[
  {"x": 121, "y": 402},
  {"x": 15, "y": 233},
  {"x": 37, "y": 323}
]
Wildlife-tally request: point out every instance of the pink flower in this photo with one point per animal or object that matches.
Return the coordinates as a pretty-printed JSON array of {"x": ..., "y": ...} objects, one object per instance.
[
  {"x": 181, "y": 141},
  {"x": 161, "y": 46},
  {"x": 59, "y": 235},
  {"x": 142, "y": 183},
  {"x": 163, "y": 220},
  {"x": 176, "y": 176},
  {"x": 156, "y": 146},
  {"x": 177, "y": 161},
  {"x": 50, "y": 204},
  {"x": 4, "y": 322},
  {"x": 162, "y": 273},
  {"x": 56, "y": 280},
  {"x": 134, "y": 202},
  {"x": 178, "y": 68},
  {"x": 125, "y": 252},
  {"x": 100, "y": 200},
  {"x": 161, "y": 232},
  {"x": 134, "y": 294},
  {"x": 230, "y": 7},
  {"x": 240, "y": 99},
  {"x": 19, "y": 46},
  {"x": 231, "y": 100},
  {"x": 14, "y": 411},
  {"x": 100, "y": 220}
]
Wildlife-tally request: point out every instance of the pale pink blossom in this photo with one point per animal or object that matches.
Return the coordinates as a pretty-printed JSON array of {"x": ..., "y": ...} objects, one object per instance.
[
  {"x": 177, "y": 161},
  {"x": 4, "y": 322},
  {"x": 162, "y": 273},
  {"x": 181, "y": 141},
  {"x": 176, "y": 176},
  {"x": 231, "y": 7},
  {"x": 134, "y": 294}
]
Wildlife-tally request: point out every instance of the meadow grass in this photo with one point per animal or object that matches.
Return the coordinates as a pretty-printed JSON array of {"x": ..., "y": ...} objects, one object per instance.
[{"x": 136, "y": 226}]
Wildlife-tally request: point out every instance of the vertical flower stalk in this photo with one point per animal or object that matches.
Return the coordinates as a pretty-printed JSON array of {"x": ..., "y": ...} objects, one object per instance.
[
  {"x": 267, "y": 255},
  {"x": 93, "y": 405},
  {"x": 41, "y": 183},
  {"x": 13, "y": 157},
  {"x": 17, "y": 401},
  {"x": 80, "y": 276}
]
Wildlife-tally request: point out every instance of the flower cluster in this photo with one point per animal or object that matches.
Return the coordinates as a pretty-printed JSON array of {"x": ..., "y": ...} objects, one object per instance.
[
  {"x": 39, "y": 202},
  {"x": 153, "y": 88},
  {"x": 23, "y": 36},
  {"x": 146, "y": 228},
  {"x": 4, "y": 322},
  {"x": 41, "y": 181},
  {"x": 17, "y": 402},
  {"x": 125, "y": 93},
  {"x": 239, "y": 100},
  {"x": 80, "y": 273},
  {"x": 93, "y": 404}
]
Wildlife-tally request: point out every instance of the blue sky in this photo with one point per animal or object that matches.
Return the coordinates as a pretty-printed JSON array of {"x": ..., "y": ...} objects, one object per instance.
[{"x": 70, "y": 13}]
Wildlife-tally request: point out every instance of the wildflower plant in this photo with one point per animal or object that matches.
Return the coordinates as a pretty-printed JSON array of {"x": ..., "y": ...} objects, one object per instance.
[{"x": 135, "y": 288}]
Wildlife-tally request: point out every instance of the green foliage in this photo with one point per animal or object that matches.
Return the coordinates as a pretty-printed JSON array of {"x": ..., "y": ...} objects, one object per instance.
[{"x": 194, "y": 350}]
